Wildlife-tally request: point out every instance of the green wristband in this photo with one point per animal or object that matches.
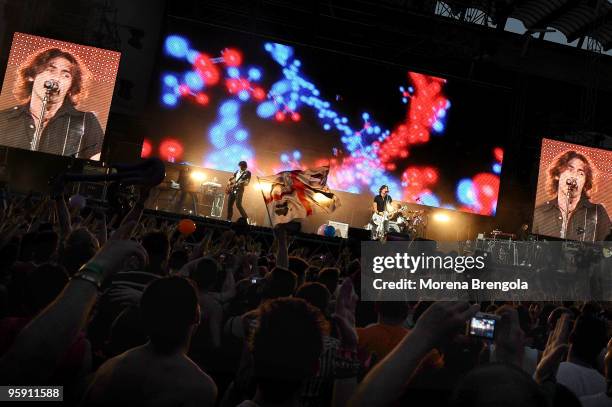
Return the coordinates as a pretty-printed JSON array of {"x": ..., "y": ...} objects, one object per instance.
[{"x": 91, "y": 266}]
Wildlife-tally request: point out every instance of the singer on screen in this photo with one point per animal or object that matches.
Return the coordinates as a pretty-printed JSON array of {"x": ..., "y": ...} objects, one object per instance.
[
  {"x": 570, "y": 214},
  {"x": 49, "y": 87}
]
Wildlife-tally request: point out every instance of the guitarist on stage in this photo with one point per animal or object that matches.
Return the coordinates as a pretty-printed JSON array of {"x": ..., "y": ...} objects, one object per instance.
[
  {"x": 381, "y": 200},
  {"x": 235, "y": 190},
  {"x": 379, "y": 206}
]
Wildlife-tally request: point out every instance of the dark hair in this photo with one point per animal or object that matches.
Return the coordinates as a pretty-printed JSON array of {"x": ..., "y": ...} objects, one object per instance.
[
  {"x": 329, "y": 277},
  {"x": 298, "y": 266},
  {"x": 481, "y": 387},
  {"x": 205, "y": 273},
  {"x": 286, "y": 346},
  {"x": 80, "y": 246},
  {"x": 561, "y": 163},
  {"x": 178, "y": 259},
  {"x": 242, "y": 164},
  {"x": 564, "y": 397},
  {"x": 43, "y": 285},
  {"x": 316, "y": 294},
  {"x": 37, "y": 63},
  {"x": 382, "y": 187},
  {"x": 392, "y": 309},
  {"x": 169, "y": 307},
  {"x": 26, "y": 246},
  {"x": 280, "y": 282},
  {"x": 157, "y": 245},
  {"x": 588, "y": 337},
  {"x": 45, "y": 246}
]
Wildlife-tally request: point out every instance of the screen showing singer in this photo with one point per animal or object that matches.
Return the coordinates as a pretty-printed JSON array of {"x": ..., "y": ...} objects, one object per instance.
[
  {"x": 574, "y": 208},
  {"x": 55, "y": 100}
]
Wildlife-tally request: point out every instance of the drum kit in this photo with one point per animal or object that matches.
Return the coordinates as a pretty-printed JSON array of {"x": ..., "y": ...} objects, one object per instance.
[{"x": 411, "y": 222}]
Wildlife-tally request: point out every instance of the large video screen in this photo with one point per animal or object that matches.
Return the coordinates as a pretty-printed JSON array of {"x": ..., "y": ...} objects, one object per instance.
[
  {"x": 56, "y": 96},
  {"x": 225, "y": 97},
  {"x": 574, "y": 192}
]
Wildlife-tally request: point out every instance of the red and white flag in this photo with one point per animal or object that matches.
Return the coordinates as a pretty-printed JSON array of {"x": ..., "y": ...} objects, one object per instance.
[{"x": 295, "y": 194}]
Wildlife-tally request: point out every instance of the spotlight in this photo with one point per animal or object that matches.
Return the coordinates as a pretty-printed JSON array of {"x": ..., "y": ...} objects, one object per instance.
[
  {"x": 441, "y": 217},
  {"x": 198, "y": 176},
  {"x": 263, "y": 186}
]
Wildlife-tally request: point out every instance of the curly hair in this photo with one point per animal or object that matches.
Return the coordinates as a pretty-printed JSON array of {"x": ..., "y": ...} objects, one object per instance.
[
  {"x": 37, "y": 63},
  {"x": 561, "y": 164}
]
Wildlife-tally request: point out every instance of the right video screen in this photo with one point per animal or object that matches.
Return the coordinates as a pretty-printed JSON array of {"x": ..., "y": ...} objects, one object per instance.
[{"x": 574, "y": 192}]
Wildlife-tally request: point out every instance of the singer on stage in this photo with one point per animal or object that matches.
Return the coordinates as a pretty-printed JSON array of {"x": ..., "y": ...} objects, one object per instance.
[
  {"x": 570, "y": 214},
  {"x": 49, "y": 86}
]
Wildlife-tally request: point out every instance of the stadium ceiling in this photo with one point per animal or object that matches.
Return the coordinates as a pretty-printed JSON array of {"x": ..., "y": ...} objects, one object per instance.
[{"x": 576, "y": 19}]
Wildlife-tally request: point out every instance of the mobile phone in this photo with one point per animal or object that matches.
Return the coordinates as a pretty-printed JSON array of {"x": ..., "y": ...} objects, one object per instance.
[
  {"x": 483, "y": 325},
  {"x": 256, "y": 280}
]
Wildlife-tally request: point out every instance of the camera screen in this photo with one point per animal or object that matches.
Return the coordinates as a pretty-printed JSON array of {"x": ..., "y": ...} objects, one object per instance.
[{"x": 482, "y": 327}]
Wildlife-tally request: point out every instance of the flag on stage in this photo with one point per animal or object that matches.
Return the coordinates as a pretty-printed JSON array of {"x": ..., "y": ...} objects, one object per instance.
[{"x": 295, "y": 194}]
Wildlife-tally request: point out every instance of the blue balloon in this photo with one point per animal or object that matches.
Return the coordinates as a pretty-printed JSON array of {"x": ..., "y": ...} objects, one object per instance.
[{"x": 330, "y": 231}]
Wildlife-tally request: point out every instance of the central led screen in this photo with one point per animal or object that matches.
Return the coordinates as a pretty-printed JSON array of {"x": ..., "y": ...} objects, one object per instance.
[{"x": 226, "y": 97}]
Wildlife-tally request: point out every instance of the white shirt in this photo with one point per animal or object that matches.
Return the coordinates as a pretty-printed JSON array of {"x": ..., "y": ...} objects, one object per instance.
[{"x": 581, "y": 380}]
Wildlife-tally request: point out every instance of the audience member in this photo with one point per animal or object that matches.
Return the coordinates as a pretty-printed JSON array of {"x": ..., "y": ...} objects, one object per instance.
[
  {"x": 382, "y": 337},
  {"x": 578, "y": 373},
  {"x": 158, "y": 372},
  {"x": 284, "y": 358},
  {"x": 226, "y": 321}
]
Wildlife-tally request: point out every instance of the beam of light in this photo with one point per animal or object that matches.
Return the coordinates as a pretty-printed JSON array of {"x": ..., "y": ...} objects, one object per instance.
[
  {"x": 198, "y": 176},
  {"x": 441, "y": 217}
]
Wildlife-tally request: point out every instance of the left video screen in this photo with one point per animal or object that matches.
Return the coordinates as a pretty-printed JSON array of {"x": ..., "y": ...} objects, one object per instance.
[{"x": 56, "y": 96}]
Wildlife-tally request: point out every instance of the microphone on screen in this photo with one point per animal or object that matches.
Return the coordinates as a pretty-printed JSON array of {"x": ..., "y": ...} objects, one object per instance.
[{"x": 51, "y": 85}]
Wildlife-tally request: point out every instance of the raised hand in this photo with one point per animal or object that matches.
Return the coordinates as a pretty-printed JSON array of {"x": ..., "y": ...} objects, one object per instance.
[
  {"x": 344, "y": 314},
  {"x": 443, "y": 320},
  {"x": 555, "y": 351},
  {"x": 510, "y": 338},
  {"x": 115, "y": 253}
]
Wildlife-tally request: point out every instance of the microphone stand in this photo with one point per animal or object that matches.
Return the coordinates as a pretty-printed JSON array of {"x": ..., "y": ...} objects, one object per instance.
[
  {"x": 567, "y": 209},
  {"x": 34, "y": 144}
]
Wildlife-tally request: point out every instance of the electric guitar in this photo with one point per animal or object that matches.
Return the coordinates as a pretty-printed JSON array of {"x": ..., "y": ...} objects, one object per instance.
[
  {"x": 379, "y": 219},
  {"x": 233, "y": 184}
]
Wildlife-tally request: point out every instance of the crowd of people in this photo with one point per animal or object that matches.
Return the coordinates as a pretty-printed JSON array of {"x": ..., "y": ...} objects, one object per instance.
[{"x": 128, "y": 310}]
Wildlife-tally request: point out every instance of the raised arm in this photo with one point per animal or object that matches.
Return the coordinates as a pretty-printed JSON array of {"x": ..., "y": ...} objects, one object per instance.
[
  {"x": 282, "y": 253},
  {"x": 386, "y": 381},
  {"x": 63, "y": 216},
  {"x": 135, "y": 213},
  {"x": 33, "y": 358}
]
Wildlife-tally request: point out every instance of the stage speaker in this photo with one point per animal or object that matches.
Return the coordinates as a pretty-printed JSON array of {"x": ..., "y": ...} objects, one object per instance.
[
  {"x": 359, "y": 234},
  {"x": 398, "y": 237},
  {"x": 422, "y": 239}
]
